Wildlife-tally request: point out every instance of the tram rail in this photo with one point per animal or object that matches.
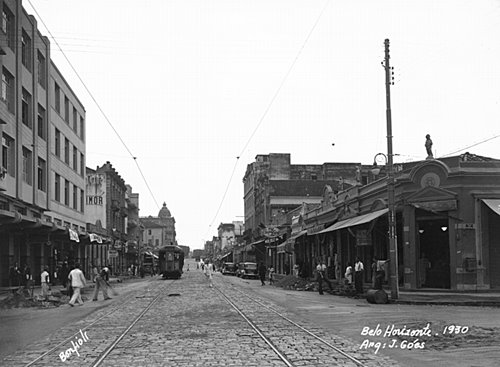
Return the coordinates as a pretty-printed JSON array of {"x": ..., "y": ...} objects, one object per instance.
[
  {"x": 282, "y": 354},
  {"x": 142, "y": 295}
]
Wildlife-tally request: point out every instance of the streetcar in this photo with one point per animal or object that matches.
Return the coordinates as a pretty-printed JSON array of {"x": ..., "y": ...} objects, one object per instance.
[{"x": 171, "y": 262}]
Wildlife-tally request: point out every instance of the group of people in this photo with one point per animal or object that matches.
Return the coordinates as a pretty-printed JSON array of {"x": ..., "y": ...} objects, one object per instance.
[
  {"x": 77, "y": 281},
  {"x": 354, "y": 275},
  {"x": 263, "y": 271}
]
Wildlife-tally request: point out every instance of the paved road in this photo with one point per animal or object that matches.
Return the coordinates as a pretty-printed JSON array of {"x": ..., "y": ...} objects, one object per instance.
[{"x": 190, "y": 324}]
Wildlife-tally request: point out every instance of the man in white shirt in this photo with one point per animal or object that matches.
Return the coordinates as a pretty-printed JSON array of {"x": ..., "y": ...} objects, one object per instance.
[
  {"x": 78, "y": 281},
  {"x": 322, "y": 276},
  {"x": 44, "y": 279},
  {"x": 358, "y": 275}
]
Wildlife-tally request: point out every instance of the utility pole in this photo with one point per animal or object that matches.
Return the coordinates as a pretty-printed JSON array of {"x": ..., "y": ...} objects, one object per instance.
[{"x": 393, "y": 247}]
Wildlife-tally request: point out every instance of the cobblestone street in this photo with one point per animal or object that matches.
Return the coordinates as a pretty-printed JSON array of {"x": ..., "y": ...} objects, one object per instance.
[{"x": 185, "y": 323}]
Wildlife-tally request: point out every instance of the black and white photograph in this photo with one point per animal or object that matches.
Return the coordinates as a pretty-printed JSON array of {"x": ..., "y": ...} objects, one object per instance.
[{"x": 250, "y": 183}]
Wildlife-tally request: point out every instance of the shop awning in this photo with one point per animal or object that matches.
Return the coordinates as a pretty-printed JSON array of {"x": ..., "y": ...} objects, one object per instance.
[
  {"x": 355, "y": 221},
  {"x": 298, "y": 234},
  {"x": 494, "y": 204}
]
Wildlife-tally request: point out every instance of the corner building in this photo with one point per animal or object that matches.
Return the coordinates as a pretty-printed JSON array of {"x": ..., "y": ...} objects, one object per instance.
[{"x": 42, "y": 125}]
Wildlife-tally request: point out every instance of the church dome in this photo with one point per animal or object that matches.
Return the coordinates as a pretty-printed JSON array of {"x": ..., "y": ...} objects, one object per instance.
[{"x": 164, "y": 212}]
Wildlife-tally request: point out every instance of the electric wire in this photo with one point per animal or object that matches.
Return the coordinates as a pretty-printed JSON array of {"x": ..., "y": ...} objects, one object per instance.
[
  {"x": 472, "y": 145},
  {"x": 97, "y": 104},
  {"x": 269, "y": 105}
]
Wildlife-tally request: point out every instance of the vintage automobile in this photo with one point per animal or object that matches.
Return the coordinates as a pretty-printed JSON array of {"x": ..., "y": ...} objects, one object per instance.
[
  {"x": 229, "y": 269},
  {"x": 248, "y": 270}
]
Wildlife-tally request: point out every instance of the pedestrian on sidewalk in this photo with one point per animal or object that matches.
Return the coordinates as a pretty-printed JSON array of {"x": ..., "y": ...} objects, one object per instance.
[
  {"x": 358, "y": 275},
  {"x": 101, "y": 283},
  {"x": 322, "y": 276},
  {"x": 45, "y": 281},
  {"x": 77, "y": 281}
]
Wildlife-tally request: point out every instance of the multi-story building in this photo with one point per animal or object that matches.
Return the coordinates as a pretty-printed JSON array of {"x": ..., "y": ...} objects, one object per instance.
[
  {"x": 107, "y": 210},
  {"x": 273, "y": 186},
  {"x": 159, "y": 231},
  {"x": 134, "y": 229},
  {"x": 42, "y": 125}
]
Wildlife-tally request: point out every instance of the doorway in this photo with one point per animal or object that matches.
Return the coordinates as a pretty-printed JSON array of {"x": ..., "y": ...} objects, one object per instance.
[{"x": 434, "y": 253}]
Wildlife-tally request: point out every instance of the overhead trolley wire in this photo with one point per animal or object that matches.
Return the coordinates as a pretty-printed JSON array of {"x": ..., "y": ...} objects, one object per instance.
[
  {"x": 269, "y": 107},
  {"x": 97, "y": 104}
]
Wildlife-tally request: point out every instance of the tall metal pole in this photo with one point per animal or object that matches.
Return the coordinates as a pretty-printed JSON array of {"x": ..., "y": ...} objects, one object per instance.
[{"x": 393, "y": 247}]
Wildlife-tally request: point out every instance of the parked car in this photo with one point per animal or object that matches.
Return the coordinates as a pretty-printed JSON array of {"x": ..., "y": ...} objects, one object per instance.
[
  {"x": 248, "y": 270},
  {"x": 229, "y": 269}
]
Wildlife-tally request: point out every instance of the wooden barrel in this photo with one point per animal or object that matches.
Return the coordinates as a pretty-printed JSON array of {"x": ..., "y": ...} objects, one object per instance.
[{"x": 376, "y": 296}]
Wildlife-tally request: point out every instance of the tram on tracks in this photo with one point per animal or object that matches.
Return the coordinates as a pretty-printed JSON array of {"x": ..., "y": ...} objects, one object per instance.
[{"x": 171, "y": 262}]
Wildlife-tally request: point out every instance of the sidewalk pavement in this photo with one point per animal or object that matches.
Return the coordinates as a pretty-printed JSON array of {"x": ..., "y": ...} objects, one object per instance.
[
  {"x": 455, "y": 298},
  {"x": 37, "y": 289},
  {"x": 486, "y": 298}
]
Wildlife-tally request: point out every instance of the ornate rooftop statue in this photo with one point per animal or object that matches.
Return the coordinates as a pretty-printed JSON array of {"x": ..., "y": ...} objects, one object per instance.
[{"x": 428, "y": 147}]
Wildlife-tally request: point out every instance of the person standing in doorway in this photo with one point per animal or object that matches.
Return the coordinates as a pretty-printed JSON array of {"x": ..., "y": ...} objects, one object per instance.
[
  {"x": 322, "y": 276},
  {"x": 358, "y": 275},
  {"x": 77, "y": 281}
]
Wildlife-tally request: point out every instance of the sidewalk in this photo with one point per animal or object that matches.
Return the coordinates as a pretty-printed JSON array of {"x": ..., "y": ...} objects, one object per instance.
[
  {"x": 455, "y": 298},
  {"x": 37, "y": 290}
]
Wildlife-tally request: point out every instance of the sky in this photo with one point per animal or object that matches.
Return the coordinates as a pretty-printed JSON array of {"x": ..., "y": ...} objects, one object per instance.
[{"x": 196, "y": 89}]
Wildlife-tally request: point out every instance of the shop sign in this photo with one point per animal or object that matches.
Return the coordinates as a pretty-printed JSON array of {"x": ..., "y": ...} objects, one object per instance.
[{"x": 363, "y": 237}]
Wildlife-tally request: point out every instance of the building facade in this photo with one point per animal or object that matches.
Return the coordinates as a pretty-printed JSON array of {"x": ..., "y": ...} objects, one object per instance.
[
  {"x": 447, "y": 225},
  {"x": 42, "y": 178},
  {"x": 159, "y": 231}
]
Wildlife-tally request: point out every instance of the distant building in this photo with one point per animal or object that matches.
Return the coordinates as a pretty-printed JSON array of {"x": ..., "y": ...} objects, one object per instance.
[
  {"x": 159, "y": 231},
  {"x": 273, "y": 186}
]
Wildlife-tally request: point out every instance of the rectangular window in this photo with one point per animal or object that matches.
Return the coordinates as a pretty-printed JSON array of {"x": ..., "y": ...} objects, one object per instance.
[
  {"x": 75, "y": 197},
  {"x": 8, "y": 25},
  {"x": 66, "y": 109},
  {"x": 82, "y": 200},
  {"x": 41, "y": 126},
  {"x": 66, "y": 150},
  {"x": 8, "y": 90},
  {"x": 75, "y": 159},
  {"x": 42, "y": 76},
  {"x": 75, "y": 120},
  {"x": 57, "y": 97},
  {"x": 42, "y": 169},
  {"x": 8, "y": 155},
  {"x": 82, "y": 128},
  {"x": 27, "y": 166},
  {"x": 26, "y": 50},
  {"x": 57, "y": 188},
  {"x": 57, "y": 142},
  {"x": 26, "y": 108},
  {"x": 66, "y": 192},
  {"x": 82, "y": 165}
]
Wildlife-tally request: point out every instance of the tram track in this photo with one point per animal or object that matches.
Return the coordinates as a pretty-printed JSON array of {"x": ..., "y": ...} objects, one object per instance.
[
  {"x": 257, "y": 317},
  {"x": 49, "y": 356}
]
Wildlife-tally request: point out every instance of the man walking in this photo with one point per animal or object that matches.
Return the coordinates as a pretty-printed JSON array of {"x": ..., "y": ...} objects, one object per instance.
[
  {"x": 262, "y": 273},
  {"x": 77, "y": 281},
  {"x": 321, "y": 276}
]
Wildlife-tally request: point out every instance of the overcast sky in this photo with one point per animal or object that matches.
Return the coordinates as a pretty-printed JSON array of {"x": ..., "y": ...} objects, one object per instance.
[{"x": 191, "y": 85}]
